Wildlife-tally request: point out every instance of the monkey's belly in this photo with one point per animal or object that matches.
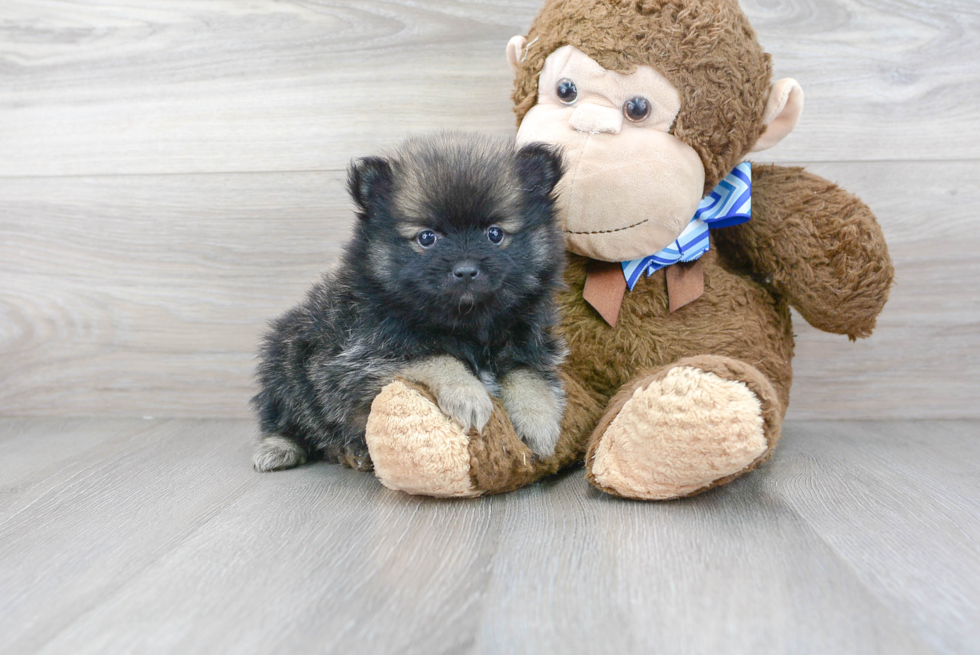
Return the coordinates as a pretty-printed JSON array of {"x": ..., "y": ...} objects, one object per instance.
[{"x": 735, "y": 317}]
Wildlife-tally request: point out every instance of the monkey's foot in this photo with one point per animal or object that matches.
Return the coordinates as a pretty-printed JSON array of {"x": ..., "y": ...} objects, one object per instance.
[
  {"x": 417, "y": 449},
  {"x": 687, "y": 428}
]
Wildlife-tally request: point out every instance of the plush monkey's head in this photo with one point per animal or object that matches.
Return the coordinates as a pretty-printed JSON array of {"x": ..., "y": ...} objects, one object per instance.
[{"x": 653, "y": 102}]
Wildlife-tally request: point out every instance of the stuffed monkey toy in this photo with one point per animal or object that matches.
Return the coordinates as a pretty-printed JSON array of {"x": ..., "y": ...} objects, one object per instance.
[{"x": 683, "y": 259}]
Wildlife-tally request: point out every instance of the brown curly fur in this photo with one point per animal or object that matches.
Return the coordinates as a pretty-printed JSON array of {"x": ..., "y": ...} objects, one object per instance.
[
  {"x": 812, "y": 246},
  {"x": 706, "y": 48},
  {"x": 815, "y": 245}
]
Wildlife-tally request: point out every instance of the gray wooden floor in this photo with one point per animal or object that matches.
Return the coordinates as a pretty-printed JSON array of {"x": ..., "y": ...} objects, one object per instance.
[{"x": 145, "y": 536}]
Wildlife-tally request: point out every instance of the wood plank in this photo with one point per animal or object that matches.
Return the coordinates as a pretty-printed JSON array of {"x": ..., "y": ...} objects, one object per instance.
[
  {"x": 898, "y": 502},
  {"x": 351, "y": 568},
  {"x": 146, "y": 295},
  {"x": 734, "y": 571},
  {"x": 37, "y": 451},
  {"x": 875, "y": 74},
  {"x": 170, "y": 542},
  {"x": 139, "y": 87},
  {"x": 99, "y": 520},
  {"x": 125, "y": 289},
  {"x": 857, "y": 538}
]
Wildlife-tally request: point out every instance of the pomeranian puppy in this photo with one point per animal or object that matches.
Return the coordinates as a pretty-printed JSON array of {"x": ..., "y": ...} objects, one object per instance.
[{"x": 447, "y": 281}]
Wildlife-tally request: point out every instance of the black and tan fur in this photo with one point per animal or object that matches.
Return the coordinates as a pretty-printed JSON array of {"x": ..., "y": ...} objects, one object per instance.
[{"x": 396, "y": 308}]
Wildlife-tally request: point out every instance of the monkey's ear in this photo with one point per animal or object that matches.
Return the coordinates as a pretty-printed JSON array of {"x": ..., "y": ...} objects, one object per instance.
[
  {"x": 782, "y": 113},
  {"x": 539, "y": 166},
  {"x": 515, "y": 51},
  {"x": 368, "y": 178}
]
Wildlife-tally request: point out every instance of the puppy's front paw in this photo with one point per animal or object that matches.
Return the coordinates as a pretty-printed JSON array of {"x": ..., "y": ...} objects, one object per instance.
[
  {"x": 538, "y": 428},
  {"x": 535, "y": 408},
  {"x": 467, "y": 403}
]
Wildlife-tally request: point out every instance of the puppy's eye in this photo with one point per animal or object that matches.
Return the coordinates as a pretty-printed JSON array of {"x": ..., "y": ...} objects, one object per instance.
[
  {"x": 495, "y": 234},
  {"x": 426, "y": 238},
  {"x": 636, "y": 109},
  {"x": 567, "y": 91}
]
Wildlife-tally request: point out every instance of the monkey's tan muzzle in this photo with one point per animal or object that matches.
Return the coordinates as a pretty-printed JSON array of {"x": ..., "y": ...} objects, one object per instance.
[
  {"x": 627, "y": 191},
  {"x": 590, "y": 118}
]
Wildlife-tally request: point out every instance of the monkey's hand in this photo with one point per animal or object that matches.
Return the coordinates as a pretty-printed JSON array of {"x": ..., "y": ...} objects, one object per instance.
[
  {"x": 416, "y": 448},
  {"x": 815, "y": 244},
  {"x": 535, "y": 407},
  {"x": 461, "y": 396}
]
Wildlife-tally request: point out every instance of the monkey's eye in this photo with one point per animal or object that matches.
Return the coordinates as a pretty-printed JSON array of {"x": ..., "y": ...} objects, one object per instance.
[
  {"x": 636, "y": 109},
  {"x": 495, "y": 234},
  {"x": 567, "y": 91},
  {"x": 426, "y": 238}
]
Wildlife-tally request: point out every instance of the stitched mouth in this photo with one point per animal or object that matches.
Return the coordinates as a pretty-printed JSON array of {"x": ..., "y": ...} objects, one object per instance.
[{"x": 618, "y": 229}]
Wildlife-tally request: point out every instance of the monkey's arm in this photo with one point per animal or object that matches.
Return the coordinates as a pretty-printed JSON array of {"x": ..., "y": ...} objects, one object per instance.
[{"x": 815, "y": 244}]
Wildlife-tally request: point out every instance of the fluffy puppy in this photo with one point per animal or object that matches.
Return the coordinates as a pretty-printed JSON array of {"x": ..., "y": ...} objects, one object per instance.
[{"x": 447, "y": 281}]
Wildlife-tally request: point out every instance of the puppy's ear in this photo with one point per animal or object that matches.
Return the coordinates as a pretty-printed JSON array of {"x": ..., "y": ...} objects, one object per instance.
[
  {"x": 368, "y": 178},
  {"x": 539, "y": 166}
]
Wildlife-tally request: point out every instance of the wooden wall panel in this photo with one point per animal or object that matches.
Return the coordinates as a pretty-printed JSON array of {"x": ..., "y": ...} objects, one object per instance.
[
  {"x": 923, "y": 361},
  {"x": 139, "y": 295},
  {"x": 146, "y": 294},
  {"x": 217, "y": 86},
  {"x": 171, "y": 177}
]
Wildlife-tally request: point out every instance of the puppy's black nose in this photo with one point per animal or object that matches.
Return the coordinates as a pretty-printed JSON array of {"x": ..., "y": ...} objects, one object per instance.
[{"x": 466, "y": 271}]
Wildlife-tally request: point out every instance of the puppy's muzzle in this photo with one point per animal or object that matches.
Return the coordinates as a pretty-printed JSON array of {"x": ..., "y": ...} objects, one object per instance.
[{"x": 466, "y": 271}]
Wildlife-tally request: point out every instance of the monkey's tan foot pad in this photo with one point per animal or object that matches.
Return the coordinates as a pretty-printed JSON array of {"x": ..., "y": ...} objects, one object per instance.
[
  {"x": 679, "y": 432},
  {"x": 415, "y": 447}
]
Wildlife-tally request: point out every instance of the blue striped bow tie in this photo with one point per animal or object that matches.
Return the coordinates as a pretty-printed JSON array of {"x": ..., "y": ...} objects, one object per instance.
[{"x": 730, "y": 203}]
